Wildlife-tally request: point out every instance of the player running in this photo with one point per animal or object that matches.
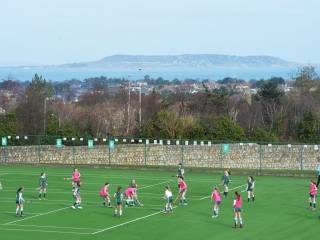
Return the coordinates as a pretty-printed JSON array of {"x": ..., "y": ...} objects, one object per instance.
[
  {"x": 250, "y": 188},
  {"x": 225, "y": 180},
  {"x": 182, "y": 191},
  {"x": 312, "y": 195},
  {"x": 104, "y": 193},
  {"x": 216, "y": 198},
  {"x": 169, "y": 200},
  {"x": 237, "y": 204},
  {"x": 43, "y": 183},
  {"x": 118, "y": 196},
  {"x": 76, "y": 196},
  {"x": 19, "y": 202}
]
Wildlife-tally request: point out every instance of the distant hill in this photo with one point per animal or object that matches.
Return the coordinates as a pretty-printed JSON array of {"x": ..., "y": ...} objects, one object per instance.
[{"x": 182, "y": 61}]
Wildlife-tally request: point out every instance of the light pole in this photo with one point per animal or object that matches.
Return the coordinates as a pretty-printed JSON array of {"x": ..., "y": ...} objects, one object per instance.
[
  {"x": 140, "y": 105},
  {"x": 129, "y": 102},
  {"x": 45, "y": 115},
  {"x": 140, "y": 70}
]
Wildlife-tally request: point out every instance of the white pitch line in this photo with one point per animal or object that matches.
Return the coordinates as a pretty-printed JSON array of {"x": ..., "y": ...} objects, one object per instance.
[
  {"x": 31, "y": 213},
  {"x": 125, "y": 223},
  {"x": 42, "y": 226},
  {"x": 42, "y": 231},
  {"x": 154, "y": 185},
  {"x": 41, "y": 214},
  {"x": 98, "y": 175},
  {"x": 229, "y": 190}
]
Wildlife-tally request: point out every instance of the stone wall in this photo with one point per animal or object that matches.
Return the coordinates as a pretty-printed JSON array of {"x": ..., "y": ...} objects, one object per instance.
[{"x": 248, "y": 156}]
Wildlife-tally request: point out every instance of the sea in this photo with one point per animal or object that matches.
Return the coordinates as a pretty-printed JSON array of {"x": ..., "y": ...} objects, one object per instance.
[{"x": 61, "y": 74}]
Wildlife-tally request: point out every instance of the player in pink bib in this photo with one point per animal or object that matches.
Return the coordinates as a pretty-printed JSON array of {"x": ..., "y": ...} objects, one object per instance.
[
  {"x": 104, "y": 193},
  {"x": 129, "y": 196},
  {"x": 216, "y": 198},
  {"x": 237, "y": 205},
  {"x": 182, "y": 191},
  {"x": 312, "y": 195},
  {"x": 75, "y": 177}
]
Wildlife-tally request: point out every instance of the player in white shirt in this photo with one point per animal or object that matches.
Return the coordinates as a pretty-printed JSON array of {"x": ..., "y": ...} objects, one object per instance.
[{"x": 169, "y": 200}]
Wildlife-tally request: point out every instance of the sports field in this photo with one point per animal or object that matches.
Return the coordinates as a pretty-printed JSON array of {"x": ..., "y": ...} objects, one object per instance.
[{"x": 279, "y": 212}]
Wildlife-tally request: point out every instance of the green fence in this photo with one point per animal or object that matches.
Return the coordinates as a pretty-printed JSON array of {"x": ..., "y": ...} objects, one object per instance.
[{"x": 157, "y": 152}]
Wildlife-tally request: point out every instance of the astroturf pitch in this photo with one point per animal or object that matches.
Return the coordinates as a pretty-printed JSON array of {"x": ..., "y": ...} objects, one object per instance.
[{"x": 279, "y": 212}]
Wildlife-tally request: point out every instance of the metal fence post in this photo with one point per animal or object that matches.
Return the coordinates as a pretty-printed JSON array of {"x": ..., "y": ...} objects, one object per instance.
[
  {"x": 73, "y": 153},
  {"x": 260, "y": 159},
  {"x": 39, "y": 148},
  {"x": 145, "y": 153},
  {"x": 109, "y": 151},
  {"x": 221, "y": 156},
  {"x": 182, "y": 155},
  {"x": 301, "y": 157}
]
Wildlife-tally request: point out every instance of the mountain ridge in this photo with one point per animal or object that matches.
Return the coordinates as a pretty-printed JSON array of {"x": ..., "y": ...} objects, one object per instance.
[{"x": 183, "y": 61}]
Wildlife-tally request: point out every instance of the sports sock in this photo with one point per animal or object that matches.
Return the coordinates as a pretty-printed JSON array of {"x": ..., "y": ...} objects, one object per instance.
[
  {"x": 44, "y": 195},
  {"x": 236, "y": 220},
  {"x": 120, "y": 212},
  {"x": 17, "y": 210},
  {"x": 240, "y": 219}
]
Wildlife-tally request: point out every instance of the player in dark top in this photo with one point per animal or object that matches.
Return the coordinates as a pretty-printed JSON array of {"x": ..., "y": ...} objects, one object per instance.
[{"x": 43, "y": 183}]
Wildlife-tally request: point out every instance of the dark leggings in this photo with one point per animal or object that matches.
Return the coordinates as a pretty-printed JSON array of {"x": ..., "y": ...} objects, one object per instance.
[{"x": 318, "y": 182}]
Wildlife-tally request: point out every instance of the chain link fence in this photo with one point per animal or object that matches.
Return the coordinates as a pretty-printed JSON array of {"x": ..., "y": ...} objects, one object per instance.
[{"x": 157, "y": 152}]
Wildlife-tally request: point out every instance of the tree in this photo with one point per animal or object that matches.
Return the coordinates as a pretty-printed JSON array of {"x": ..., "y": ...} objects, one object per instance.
[
  {"x": 165, "y": 124},
  {"x": 270, "y": 95},
  {"x": 32, "y": 106},
  {"x": 223, "y": 128},
  {"x": 8, "y": 123},
  {"x": 308, "y": 129}
]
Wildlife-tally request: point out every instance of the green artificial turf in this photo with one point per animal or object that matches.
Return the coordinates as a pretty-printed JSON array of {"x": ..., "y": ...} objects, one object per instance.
[{"x": 279, "y": 212}]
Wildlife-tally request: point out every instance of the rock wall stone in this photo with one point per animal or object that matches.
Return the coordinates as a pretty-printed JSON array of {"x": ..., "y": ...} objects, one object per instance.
[{"x": 247, "y": 156}]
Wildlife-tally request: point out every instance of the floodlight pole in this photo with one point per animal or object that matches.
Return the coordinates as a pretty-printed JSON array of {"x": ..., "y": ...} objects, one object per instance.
[
  {"x": 45, "y": 115},
  {"x": 129, "y": 102}
]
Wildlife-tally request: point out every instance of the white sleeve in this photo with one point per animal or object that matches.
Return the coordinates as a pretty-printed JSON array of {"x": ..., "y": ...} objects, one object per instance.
[{"x": 234, "y": 202}]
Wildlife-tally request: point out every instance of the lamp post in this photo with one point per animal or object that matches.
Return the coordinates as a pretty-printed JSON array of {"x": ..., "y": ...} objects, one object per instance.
[
  {"x": 129, "y": 102},
  {"x": 45, "y": 115}
]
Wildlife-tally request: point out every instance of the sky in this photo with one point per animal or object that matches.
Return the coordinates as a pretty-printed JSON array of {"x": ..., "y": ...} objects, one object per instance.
[{"x": 40, "y": 32}]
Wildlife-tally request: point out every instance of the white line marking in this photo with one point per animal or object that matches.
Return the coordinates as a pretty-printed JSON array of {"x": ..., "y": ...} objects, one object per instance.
[
  {"x": 42, "y": 226},
  {"x": 99, "y": 174},
  {"x": 31, "y": 213},
  {"x": 42, "y": 231},
  {"x": 153, "y": 185},
  {"x": 41, "y": 214},
  {"x": 125, "y": 223},
  {"x": 229, "y": 190}
]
